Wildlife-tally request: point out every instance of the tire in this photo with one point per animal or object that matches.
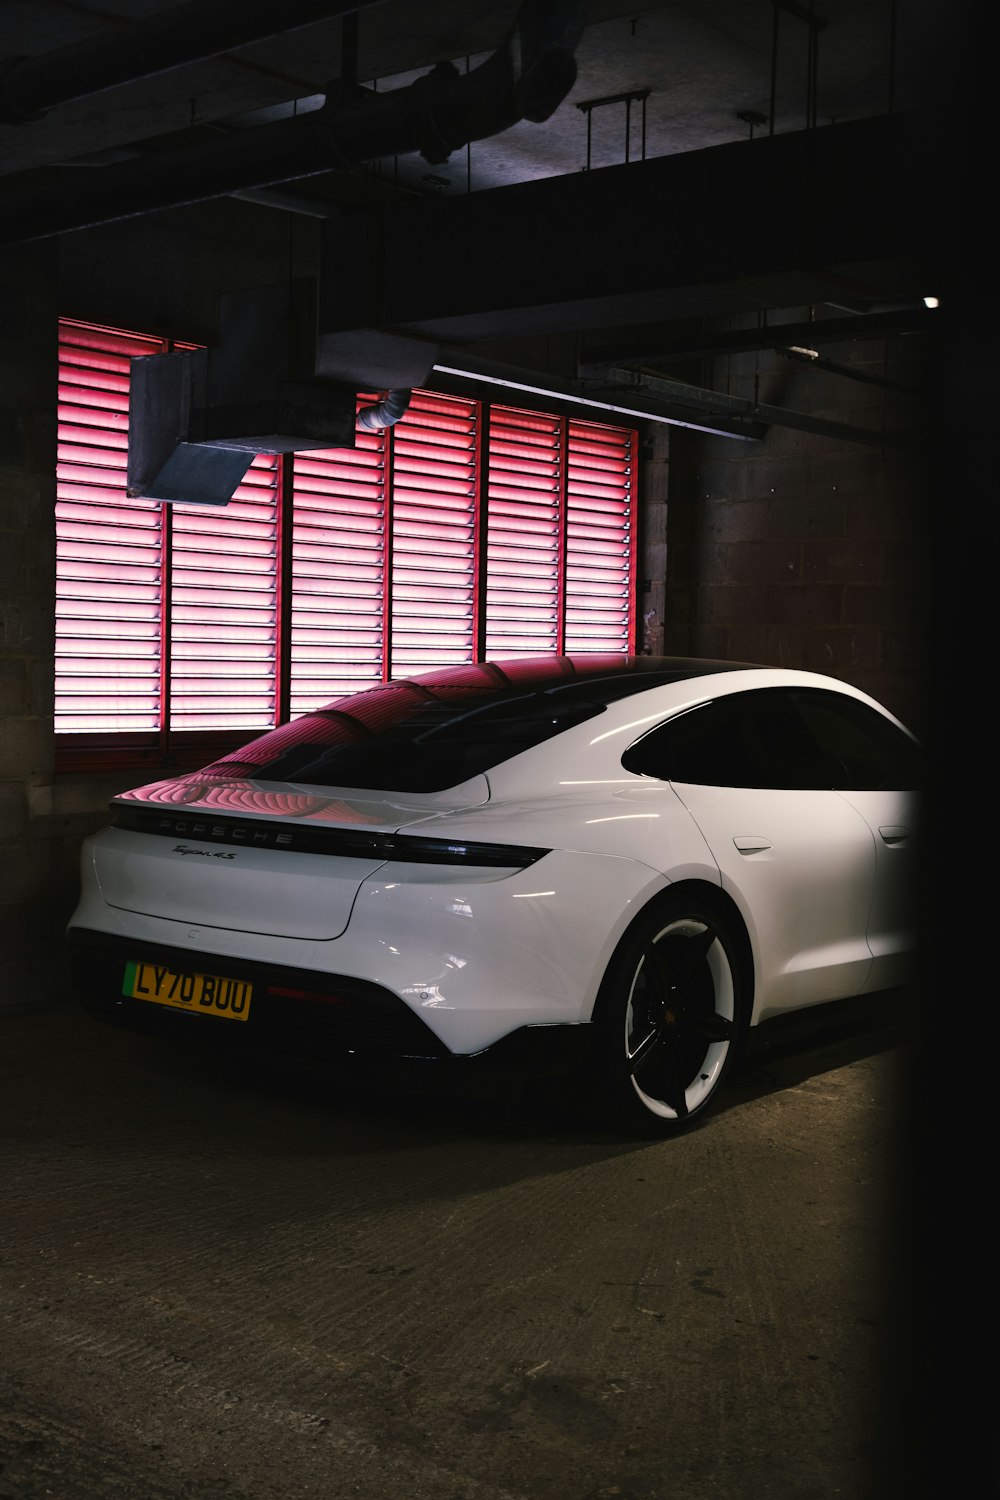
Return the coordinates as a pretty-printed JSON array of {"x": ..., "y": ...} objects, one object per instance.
[{"x": 671, "y": 1014}]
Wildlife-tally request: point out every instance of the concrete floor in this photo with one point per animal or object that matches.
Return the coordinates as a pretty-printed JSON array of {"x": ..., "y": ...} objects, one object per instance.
[{"x": 240, "y": 1288}]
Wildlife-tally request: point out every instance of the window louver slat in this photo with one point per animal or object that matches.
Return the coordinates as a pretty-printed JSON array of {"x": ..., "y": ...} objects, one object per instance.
[
  {"x": 434, "y": 517},
  {"x": 223, "y": 630},
  {"x": 599, "y": 522},
  {"x": 523, "y": 533},
  {"x": 338, "y": 570}
]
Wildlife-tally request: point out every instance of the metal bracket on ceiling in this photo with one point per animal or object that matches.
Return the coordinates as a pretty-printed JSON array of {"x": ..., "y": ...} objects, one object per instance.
[
  {"x": 751, "y": 117},
  {"x": 587, "y": 106}
]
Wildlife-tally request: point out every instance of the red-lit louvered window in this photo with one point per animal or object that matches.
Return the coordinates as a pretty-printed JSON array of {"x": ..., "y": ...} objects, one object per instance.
[
  {"x": 165, "y": 616},
  {"x": 434, "y": 534},
  {"x": 109, "y": 550},
  {"x": 524, "y": 533},
  {"x": 560, "y": 535},
  {"x": 461, "y": 533},
  {"x": 338, "y": 571},
  {"x": 600, "y": 538},
  {"x": 223, "y": 626}
]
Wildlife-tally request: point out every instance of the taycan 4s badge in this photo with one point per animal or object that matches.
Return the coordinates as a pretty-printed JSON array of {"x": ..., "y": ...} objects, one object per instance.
[{"x": 207, "y": 853}]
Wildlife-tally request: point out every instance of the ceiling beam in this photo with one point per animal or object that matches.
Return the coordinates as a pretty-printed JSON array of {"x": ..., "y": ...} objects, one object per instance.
[
  {"x": 732, "y": 229},
  {"x": 620, "y": 383},
  {"x": 146, "y": 46}
]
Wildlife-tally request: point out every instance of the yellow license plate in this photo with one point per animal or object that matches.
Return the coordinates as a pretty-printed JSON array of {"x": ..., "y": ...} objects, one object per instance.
[{"x": 202, "y": 994}]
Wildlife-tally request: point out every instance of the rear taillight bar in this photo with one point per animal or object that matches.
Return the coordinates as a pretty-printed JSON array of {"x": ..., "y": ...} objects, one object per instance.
[{"x": 347, "y": 843}]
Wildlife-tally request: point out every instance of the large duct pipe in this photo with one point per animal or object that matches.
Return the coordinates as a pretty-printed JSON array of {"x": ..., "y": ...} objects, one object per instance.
[
  {"x": 29, "y": 86},
  {"x": 525, "y": 79}
]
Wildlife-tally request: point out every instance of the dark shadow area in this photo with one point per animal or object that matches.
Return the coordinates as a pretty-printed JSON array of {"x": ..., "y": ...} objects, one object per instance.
[
  {"x": 477, "y": 1097},
  {"x": 472, "y": 1097},
  {"x": 178, "y": 1224},
  {"x": 788, "y": 1050}
]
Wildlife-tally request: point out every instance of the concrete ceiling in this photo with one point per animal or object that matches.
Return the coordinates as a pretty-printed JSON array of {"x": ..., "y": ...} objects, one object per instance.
[
  {"x": 695, "y": 77},
  {"x": 705, "y": 63}
]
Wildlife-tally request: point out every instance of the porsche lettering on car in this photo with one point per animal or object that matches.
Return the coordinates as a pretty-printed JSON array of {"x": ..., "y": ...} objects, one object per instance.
[{"x": 629, "y": 861}]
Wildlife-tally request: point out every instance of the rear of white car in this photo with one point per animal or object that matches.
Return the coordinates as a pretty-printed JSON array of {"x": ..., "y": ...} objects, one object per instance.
[
  {"x": 497, "y": 848},
  {"x": 441, "y": 932},
  {"x": 432, "y": 921}
]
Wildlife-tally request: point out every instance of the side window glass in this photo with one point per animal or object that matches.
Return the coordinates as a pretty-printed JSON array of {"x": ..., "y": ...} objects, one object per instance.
[
  {"x": 698, "y": 746},
  {"x": 745, "y": 739},
  {"x": 869, "y": 753}
]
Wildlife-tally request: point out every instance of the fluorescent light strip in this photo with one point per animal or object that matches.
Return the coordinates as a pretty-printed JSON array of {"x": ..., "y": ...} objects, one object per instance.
[{"x": 542, "y": 390}]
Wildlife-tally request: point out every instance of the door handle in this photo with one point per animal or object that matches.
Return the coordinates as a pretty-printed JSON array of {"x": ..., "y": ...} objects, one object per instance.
[
  {"x": 894, "y": 833},
  {"x": 751, "y": 843}
]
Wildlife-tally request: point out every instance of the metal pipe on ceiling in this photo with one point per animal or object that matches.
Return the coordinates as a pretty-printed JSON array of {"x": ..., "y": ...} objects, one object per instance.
[
  {"x": 385, "y": 413},
  {"x": 30, "y": 86},
  {"x": 526, "y": 78}
]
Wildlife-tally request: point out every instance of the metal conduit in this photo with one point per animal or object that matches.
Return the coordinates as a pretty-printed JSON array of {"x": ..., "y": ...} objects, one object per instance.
[
  {"x": 386, "y": 413},
  {"x": 29, "y": 86}
]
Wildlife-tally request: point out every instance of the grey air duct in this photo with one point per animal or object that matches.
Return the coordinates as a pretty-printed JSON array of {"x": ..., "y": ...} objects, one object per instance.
[{"x": 198, "y": 417}]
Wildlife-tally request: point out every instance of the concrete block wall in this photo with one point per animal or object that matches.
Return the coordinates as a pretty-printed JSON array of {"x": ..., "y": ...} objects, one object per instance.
[
  {"x": 808, "y": 550},
  {"x": 654, "y": 492},
  {"x": 28, "y": 832}
]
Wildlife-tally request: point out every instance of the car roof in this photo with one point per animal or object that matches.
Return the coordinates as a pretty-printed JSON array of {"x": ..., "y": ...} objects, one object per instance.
[
  {"x": 453, "y": 691},
  {"x": 624, "y": 673}
]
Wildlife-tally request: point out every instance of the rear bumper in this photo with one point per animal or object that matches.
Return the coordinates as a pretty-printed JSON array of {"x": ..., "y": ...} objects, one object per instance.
[
  {"x": 473, "y": 954},
  {"x": 295, "y": 1013}
]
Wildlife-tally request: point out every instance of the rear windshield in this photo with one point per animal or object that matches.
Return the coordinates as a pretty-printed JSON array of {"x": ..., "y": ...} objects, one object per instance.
[{"x": 429, "y": 733}]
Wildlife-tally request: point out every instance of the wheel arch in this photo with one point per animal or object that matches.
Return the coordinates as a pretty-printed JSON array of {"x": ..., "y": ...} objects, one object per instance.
[
  {"x": 721, "y": 903},
  {"x": 689, "y": 1024}
]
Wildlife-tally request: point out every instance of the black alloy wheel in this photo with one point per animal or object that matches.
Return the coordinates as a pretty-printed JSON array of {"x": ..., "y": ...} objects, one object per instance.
[{"x": 671, "y": 1014}]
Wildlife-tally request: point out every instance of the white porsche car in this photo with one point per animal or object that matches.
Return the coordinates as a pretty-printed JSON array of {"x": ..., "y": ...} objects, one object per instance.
[{"x": 624, "y": 860}]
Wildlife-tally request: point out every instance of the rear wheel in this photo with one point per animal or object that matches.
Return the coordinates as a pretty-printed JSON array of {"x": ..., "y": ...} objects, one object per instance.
[{"x": 671, "y": 1014}]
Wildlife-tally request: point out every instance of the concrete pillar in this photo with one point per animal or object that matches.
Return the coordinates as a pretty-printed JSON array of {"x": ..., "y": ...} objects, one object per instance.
[{"x": 28, "y": 397}]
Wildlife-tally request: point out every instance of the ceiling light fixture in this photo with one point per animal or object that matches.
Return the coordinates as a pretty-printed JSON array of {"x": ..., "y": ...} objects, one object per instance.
[{"x": 550, "y": 390}]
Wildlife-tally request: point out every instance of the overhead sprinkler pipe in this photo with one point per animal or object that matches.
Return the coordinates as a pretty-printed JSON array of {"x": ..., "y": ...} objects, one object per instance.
[{"x": 527, "y": 78}]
